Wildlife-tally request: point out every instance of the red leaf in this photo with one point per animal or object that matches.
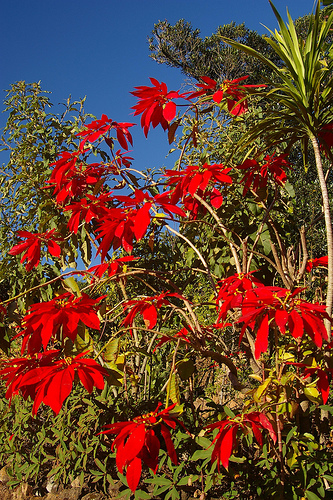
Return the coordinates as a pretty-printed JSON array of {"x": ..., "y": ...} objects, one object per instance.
[
  {"x": 261, "y": 343},
  {"x": 169, "y": 444},
  {"x": 150, "y": 315},
  {"x": 142, "y": 221},
  {"x": 54, "y": 248},
  {"x": 281, "y": 318},
  {"x": 59, "y": 388},
  {"x": 169, "y": 111},
  {"x": 134, "y": 443},
  {"x": 226, "y": 446},
  {"x": 152, "y": 448},
  {"x": 133, "y": 473},
  {"x": 295, "y": 324}
]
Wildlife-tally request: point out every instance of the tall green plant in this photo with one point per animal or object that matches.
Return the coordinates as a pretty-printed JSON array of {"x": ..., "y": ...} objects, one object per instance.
[{"x": 301, "y": 94}]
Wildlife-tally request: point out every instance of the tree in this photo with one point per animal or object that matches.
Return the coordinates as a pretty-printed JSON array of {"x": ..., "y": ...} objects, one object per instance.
[
  {"x": 181, "y": 46},
  {"x": 33, "y": 137}
]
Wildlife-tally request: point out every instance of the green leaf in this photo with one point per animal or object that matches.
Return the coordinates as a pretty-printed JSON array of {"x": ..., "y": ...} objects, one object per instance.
[
  {"x": 203, "y": 441},
  {"x": 185, "y": 368},
  {"x": 290, "y": 189},
  {"x": 111, "y": 351},
  {"x": 326, "y": 408},
  {"x": 312, "y": 394},
  {"x": 291, "y": 433},
  {"x": 160, "y": 481},
  {"x": 100, "y": 465},
  {"x": 311, "y": 496},
  {"x": 173, "y": 389},
  {"x": 201, "y": 454},
  {"x": 177, "y": 471},
  {"x": 229, "y": 412},
  {"x": 141, "y": 495}
]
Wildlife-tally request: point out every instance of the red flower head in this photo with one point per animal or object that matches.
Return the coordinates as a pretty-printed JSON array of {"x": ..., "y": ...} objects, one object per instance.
[
  {"x": 229, "y": 89},
  {"x": 256, "y": 176},
  {"x": 32, "y": 247},
  {"x": 13, "y": 370},
  {"x": 232, "y": 292},
  {"x": 155, "y": 104},
  {"x": 182, "y": 334},
  {"x": 97, "y": 128},
  {"x": 198, "y": 180},
  {"x": 320, "y": 261},
  {"x": 87, "y": 209},
  {"x": 78, "y": 181},
  {"x": 268, "y": 306},
  {"x": 226, "y": 440},
  {"x": 111, "y": 268},
  {"x": 58, "y": 316},
  {"x": 119, "y": 227},
  {"x": 137, "y": 443},
  {"x": 148, "y": 308},
  {"x": 48, "y": 379},
  {"x": 63, "y": 166}
]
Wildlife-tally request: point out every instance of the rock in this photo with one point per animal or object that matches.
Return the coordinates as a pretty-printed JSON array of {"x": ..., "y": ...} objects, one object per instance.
[
  {"x": 5, "y": 494},
  {"x": 76, "y": 483},
  {"x": 4, "y": 478},
  {"x": 113, "y": 489},
  {"x": 67, "y": 494},
  {"x": 22, "y": 492},
  {"x": 94, "y": 496},
  {"x": 52, "y": 486}
]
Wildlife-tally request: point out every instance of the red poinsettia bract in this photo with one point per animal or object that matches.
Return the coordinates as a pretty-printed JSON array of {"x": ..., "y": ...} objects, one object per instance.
[
  {"x": 76, "y": 182},
  {"x": 232, "y": 292},
  {"x": 182, "y": 334},
  {"x": 119, "y": 227},
  {"x": 256, "y": 175},
  {"x": 32, "y": 246},
  {"x": 266, "y": 307},
  {"x": 200, "y": 180},
  {"x": 91, "y": 207},
  {"x": 231, "y": 90},
  {"x": 113, "y": 267},
  {"x": 137, "y": 442},
  {"x": 148, "y": 307},
  {"x": 58, "y": 318},
  {"x": 48, "y": 379},
  {"x": 141, "y": 199},
  {"x": 226, "y": 441},
  {"x": 156, "y": 105},
  {"x": 97, "y": 128},
  {"x": 320, "y": 261}
]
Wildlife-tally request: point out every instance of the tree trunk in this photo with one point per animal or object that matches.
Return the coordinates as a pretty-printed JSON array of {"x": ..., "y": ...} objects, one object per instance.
[{"x": 329, "y": 232}]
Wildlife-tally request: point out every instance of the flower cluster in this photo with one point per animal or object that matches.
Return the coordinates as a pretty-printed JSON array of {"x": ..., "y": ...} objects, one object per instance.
[
  {"x": 256, "y": 175},
  {"x": 137, "y": 442},
  {"x": 263, "y": 308},
  {"x": 31, "y": 247},
  {"x": 226, "y": 439}
]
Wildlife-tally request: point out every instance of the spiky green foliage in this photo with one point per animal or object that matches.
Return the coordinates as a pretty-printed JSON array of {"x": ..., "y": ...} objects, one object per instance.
[{"x": 301, "y": 91}]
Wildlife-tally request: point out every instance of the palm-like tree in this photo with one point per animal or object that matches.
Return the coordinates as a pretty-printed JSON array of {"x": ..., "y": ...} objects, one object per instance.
[{"x": 300, "y": 98}]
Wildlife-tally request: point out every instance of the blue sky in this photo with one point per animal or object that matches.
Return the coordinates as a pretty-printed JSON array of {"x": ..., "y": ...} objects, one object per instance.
[{"x": 100, "y": 50}]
